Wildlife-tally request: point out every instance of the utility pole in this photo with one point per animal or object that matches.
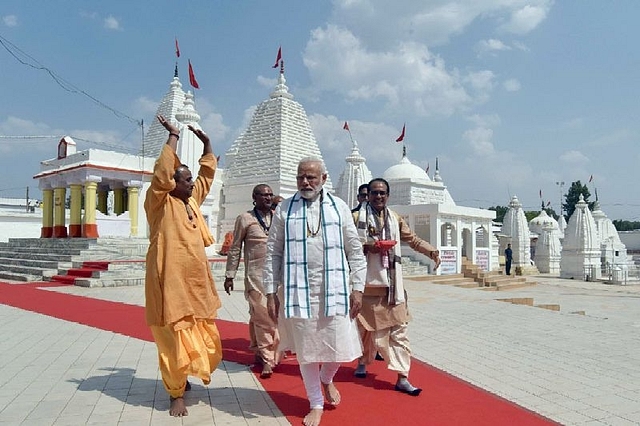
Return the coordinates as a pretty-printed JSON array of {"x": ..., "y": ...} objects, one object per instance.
[{"x": 560, "y": 184}]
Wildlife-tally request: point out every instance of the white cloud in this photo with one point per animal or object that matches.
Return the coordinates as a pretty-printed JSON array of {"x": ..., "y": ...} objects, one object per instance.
[
  {"x": 527, "y": 18},
  {"x": 407, "y": 79},
  {"x": 211, "y": 121},
  {"x": 382, "y": 23},
  {"x": 145, "y": 106},
  {"x": 574, "y": 157},
  {"x": 112, "y": 23},
  {"x": 488, "y": 120},
  {"x": 491, "y": 46},
  {"x": 10, "y": 20},
  {"x": 512, "y": 85},
  {"x": 376, "y": 142},
  {"x": 267, "y": 82},
  {"x": 480, "y": 140}
]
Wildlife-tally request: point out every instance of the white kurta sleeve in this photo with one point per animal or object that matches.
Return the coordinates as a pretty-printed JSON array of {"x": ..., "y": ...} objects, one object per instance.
[
  {"x": 272, "y": 275},
  {"x": 353, "y": 250}
]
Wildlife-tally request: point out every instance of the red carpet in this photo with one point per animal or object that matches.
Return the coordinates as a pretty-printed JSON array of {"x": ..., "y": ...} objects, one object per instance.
[{"x": 445, "y": 400}]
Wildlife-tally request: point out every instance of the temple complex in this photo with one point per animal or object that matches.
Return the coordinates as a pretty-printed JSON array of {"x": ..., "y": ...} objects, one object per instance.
[{"x": 94, "y": 193}]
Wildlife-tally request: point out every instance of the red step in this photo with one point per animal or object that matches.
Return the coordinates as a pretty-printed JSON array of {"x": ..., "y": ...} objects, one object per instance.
[{"x": 87, "y": 270}]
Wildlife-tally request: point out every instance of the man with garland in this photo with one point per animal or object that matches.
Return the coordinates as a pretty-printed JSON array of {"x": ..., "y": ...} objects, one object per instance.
[
  {"x": 384, "y": 317},
  {"x": 251, "y": 231},
  {"x": 314, "y": 251}
]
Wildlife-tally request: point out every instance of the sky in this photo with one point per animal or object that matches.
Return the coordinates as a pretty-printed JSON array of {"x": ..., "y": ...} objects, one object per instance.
[{"x": 513, "y": 97}]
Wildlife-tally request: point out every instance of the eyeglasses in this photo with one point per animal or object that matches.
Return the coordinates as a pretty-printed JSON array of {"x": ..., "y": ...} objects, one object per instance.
[{"x": 381, "y": 193}]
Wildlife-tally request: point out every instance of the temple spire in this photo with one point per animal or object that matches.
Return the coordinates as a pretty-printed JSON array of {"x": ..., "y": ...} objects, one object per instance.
[{"x": 175, "y": 73}]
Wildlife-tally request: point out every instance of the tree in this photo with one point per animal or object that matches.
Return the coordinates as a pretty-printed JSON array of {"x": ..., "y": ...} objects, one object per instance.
[
  {"x": 500, "y": 212},
  {"x": 573, "y": 196}
]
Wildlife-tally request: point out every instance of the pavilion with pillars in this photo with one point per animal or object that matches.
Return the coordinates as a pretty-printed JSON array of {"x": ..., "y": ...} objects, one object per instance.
[{"x": 91, "y": 177}]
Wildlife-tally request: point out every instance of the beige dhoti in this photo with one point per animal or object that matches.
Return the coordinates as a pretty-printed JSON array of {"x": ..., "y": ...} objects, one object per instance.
[{"x": 383, "y": 329}]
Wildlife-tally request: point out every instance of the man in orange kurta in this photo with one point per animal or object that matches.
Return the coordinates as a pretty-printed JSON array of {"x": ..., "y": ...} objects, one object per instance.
[{"x": 181, "y": 299}]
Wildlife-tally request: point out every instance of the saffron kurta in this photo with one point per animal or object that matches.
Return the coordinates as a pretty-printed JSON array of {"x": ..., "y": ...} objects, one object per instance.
[
  {"x": 248, "y": 233},
  {"x": 319, "y": 338},
  {"x": 178, "y": 280}
]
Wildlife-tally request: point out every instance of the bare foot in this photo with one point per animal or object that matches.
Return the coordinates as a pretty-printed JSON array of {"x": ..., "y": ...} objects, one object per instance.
[
  {"x": 313, "y": 418},
  {"x": 177, "y": 408},
  {"x": 331, "y": 393}
]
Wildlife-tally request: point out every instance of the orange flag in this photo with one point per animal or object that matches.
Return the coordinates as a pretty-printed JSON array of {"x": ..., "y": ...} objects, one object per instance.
[
  {"x": 177, "y": 48},
  {"x": 192, "y": 77}
]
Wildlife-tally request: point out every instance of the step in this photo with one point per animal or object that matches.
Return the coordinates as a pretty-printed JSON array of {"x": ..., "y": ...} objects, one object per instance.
[
  {"x": 28, "y": 270},
  {"x": 44, "y": 264},
  {"x": 7, "y": 275}
]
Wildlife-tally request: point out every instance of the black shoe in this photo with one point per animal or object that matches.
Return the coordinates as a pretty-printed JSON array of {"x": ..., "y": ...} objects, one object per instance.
[
  {"x": 379, "y": 357},
  {"x": 361, "y": 371},
  {"x": 413, "y": 392},
  {"x": 187, "y": 387}
]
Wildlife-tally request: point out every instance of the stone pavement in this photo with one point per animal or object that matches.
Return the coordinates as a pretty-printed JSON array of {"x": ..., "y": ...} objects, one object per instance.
[{"x": 573, "y": 368}]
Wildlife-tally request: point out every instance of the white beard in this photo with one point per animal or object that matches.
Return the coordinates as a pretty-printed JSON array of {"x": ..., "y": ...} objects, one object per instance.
[{"x": 311, "y": 195}]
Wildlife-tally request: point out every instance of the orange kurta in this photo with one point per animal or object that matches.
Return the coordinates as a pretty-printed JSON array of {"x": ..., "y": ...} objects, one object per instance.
[{"x": 178, "y": 282}]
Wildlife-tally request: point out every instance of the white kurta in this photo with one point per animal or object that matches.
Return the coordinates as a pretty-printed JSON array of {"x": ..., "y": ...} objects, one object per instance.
[{"x": 319, "y": 338}]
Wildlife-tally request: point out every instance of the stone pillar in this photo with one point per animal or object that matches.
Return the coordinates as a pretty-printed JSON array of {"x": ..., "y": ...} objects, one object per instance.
[
  {"x": 75, "y": 220},
  {"x": 102, "y": 201},
  {"x": 133, "y": 190},
  {"x": 118, "y": 201},
  {"x": 59, "y": 226},
  {"x": 47, "y": 214},
  {"x": 90, "y": 227}
]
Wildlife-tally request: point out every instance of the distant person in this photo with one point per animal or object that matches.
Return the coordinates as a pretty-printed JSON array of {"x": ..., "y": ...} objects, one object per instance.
[
  {"x": 508, "y": 258},
  {"x": 314, "y": 251},
  {"x": 363, "y": 193},
  {"x": 181, "y": 298},
  {"x": 251, "y": 231},
  {"x": 384, "y": 318}
]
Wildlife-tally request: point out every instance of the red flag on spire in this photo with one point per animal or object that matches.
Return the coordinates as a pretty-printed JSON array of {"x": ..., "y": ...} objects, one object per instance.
[
  {"x": 548, "y": 203},
  {"x": 278, "y": 58},
  {"x": 346, "y": 126},
  {"x": 177, "y": 48},
  {"x": 401, "y": 137},
  {"x": 541, "y": 194},
  {"x": 427, "y": 169},
  {"x": 192, "y": 77},
  {"x": 590, "y": 178}
]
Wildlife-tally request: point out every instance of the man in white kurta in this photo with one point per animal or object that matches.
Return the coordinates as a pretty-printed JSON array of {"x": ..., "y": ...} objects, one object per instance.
[{"x": 316, "y": 265}]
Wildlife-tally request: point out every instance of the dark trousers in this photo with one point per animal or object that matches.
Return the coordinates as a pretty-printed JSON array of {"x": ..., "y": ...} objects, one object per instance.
[{"x": 507, "y": 267}]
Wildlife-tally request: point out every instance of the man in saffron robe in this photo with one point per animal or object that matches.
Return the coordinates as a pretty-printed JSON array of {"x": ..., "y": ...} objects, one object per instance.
[
  {"x": 181, "y": 299},
  {"x": 314, "y": 251},
  {"x": 384, "y": 318},
  {"x": 251, "y": 231}
]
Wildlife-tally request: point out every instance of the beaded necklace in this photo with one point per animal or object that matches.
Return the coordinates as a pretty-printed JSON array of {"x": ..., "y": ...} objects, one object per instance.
[
  {"x": 263, "y": 225},
  {"x": 310, "y": 232}
]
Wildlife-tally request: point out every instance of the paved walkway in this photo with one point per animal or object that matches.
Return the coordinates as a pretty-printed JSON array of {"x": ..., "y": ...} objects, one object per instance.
[{"x": 576, "y": 369}]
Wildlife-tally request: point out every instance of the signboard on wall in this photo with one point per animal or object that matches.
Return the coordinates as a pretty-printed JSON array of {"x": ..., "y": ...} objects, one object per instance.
[
  {"x": 449, "y": 262},
  {"x": 482, "y": 259}
]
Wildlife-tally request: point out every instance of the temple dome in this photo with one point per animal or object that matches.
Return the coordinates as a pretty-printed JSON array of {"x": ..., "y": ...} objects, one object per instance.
[{"x": 405, "y": 170}]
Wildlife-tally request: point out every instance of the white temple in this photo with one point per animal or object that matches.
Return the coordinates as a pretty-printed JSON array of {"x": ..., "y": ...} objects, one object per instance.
[
  {"x": 613, "y": 251},
  {"x": 515, "y": 231},
  {"x": 278, "y": 137},
  {"x": 581, "y": 246},
  {"x": 545, "y": 243},
  {"x": 355, "y": 174}
]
